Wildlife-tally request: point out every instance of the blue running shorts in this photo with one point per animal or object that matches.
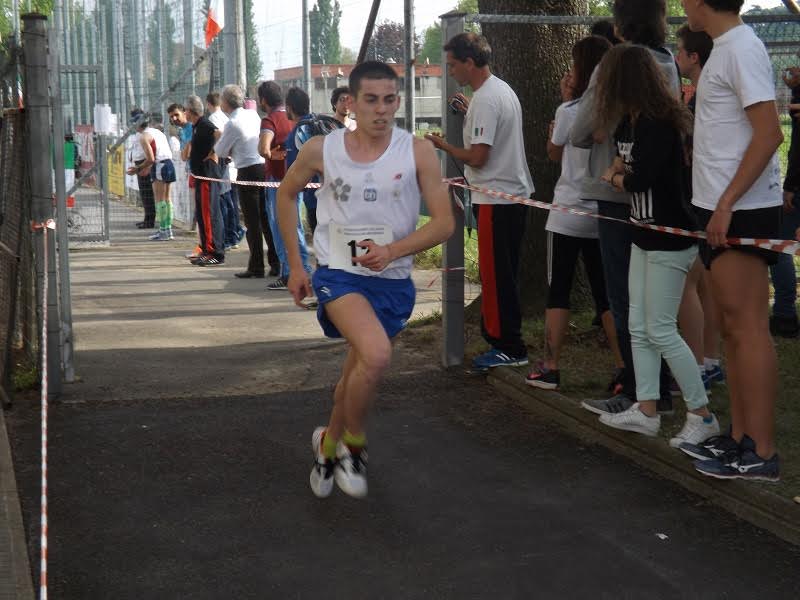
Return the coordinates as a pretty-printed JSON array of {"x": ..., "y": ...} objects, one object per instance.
[
  {"x": 164, "y": 170},
  {"x": 391, "y": 299}
]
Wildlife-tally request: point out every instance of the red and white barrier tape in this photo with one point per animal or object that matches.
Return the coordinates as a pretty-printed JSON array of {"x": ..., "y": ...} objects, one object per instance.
[
  {"x": 791, "y": 247},
  {"x": 49, "y": 224},
  {"x": 784, "y": 246}
]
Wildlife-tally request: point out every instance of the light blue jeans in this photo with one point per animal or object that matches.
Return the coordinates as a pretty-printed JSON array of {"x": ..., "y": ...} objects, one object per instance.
[
  {"x": 655, "y": 287},
  {"x": 280, "y": 248}
]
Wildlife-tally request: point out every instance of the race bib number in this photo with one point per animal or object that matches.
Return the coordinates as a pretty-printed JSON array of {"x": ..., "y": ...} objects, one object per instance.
[{"x": 344, "y": 240}]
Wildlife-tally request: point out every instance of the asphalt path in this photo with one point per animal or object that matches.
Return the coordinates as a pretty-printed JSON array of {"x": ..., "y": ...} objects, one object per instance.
[{"x": 470, "y": 497}]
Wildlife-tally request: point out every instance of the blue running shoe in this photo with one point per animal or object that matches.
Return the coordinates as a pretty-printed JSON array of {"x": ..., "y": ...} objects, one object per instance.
[
  {"x": 714, "y": 375},
  {"x": 745, "y": 464},
  {"x": 495, "y": 358}
]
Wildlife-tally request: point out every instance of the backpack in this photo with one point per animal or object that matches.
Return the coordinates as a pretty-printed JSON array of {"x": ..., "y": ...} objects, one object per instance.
[{"x": 319, "y": 124}]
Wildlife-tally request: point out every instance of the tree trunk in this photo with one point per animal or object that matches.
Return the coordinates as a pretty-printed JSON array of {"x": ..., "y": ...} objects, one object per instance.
[{"x": 532, "y": 60}]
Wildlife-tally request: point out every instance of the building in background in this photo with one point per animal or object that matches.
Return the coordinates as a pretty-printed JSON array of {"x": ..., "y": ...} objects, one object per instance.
[{"x": 325, "y": 78}]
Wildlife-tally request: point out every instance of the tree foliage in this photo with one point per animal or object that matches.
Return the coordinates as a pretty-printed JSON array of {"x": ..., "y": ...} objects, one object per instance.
[
  {"x": 432, "y": 45},
  {"x": 603, "y": 8},
  {"x": 388, "y": 41},
  {"x": 253, "y": 65},
  {"x": 325, "y": 42}
]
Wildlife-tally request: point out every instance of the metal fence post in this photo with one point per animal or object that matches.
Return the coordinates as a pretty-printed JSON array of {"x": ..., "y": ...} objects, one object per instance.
[
  {"x": 62, "y": 231},
  {"x": 37, "y": 103},
  {"x": 453, "y": 249}
]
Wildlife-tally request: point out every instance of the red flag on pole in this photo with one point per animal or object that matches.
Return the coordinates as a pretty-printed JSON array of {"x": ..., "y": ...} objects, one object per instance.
[{"x": 216, "y": 20}]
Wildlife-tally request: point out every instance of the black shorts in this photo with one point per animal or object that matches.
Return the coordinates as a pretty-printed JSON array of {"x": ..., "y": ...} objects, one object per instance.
[
  {"x": 764, "y": 223},
  {"x": 562, "y": 258}
]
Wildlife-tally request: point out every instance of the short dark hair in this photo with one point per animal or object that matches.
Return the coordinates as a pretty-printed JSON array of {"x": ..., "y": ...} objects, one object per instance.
[
  {"x": 297, "y": 101},
  {"x": 642, "y": 22},
  {"x": 337, "y": 93},
  {"x": 470, "y": 45},
  {"x": 213, "y": 99},
  {"x": 696, "y": 42},
  {"x": 586, "y": 55},
  {"x": 175, "y": 105},
  {"x": 605, "y": 28},
  {"x": 733, "y": 6},
  {"x": 270, "y": 92},
  {"x": 370, "y": 69}
]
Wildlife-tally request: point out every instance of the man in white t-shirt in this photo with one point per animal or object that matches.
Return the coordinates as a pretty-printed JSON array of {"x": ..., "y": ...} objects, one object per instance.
[
  {"x": 737, "y": 193},
  {"x": 494, "y": 157}
]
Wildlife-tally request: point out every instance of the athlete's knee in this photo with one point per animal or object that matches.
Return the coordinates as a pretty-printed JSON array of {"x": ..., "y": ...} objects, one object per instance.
[{"x": 377, "y": 359}]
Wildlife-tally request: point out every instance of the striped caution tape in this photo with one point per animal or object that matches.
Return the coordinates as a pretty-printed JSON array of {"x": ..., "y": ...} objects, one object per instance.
[
  {"x": 50, "y": 224},
  {"x": 791, "y": 247}
]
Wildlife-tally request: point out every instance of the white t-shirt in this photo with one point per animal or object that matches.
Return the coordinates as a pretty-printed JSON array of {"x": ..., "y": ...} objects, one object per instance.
[
  {"x": 567, "y": 193},
  {"x": 738, "y": 74},
  {"x": 495, "y": 115}
]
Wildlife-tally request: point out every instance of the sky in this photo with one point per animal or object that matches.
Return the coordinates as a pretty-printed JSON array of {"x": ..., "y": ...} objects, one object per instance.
[{"x": 280, "y": 34}]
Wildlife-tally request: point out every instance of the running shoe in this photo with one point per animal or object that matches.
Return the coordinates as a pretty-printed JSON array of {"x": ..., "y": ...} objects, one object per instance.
[
  {"x": 695, "y": 430},
  {"x": 210, "y": 261},
  {"x": 616, "y": 404},
  {"x": 745, "y": 464},
  {"x": 496, "y": 358},
  {"x": 277, "y": 285},
  {"x": 711, "y": 448},
  {"x": 543, "y": 378},
  {"x": 714, "y": 375},
  {"x": 634, "y": 420},
  {"x": 321, "y": 478},
  {"x": 350, "y": 471}
]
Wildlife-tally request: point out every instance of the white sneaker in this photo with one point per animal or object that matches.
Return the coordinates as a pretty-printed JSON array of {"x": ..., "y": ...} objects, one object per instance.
[
  {"x": 321, "y": 478},
  {"x": 633, "y": 419},
  {"x": 695, "y": 430},
  {"x": 351, "y": 471}
]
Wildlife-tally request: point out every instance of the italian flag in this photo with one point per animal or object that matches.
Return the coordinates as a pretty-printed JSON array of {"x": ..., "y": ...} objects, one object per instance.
[{"x": 216, "y": 20}]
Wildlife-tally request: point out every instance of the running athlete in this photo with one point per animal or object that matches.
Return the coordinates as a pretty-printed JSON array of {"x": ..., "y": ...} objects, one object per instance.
[
  {"x": 158, "y": 162},
  {"x": 367, "y": 211}
]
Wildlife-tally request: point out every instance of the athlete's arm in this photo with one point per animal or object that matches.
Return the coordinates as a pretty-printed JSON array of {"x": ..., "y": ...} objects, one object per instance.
[
  {"x": 308, "y": 164},
  {"x": 475, "y": 156},
  {"x": 767, "y": 136},
  {"x": 437, "y": 201},
  {"x": 186, "y": 151},
  {"x": 149, "y": 157}
]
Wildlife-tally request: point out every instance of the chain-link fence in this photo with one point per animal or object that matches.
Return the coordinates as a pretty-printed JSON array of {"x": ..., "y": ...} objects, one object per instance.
[{"x": 17, "y": 305}]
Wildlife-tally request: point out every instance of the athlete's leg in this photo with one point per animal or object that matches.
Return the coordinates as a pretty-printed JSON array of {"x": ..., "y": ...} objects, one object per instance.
[{"x": 691, "y": 318}]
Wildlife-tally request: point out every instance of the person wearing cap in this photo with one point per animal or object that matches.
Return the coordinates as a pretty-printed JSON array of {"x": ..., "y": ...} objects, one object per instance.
[{"x": 136, "y": 156}]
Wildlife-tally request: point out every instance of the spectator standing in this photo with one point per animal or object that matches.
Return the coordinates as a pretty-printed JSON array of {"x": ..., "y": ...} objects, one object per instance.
[
  {"x": 144, "y": 182},
  {"x": 234, "y": 232},
  {"x": 737, "y": 191},
  {"x": 275, "y": 128},
  {"x": 650, "y": 165},
  {"x": 641, "y": 22},
  {"x": 783, "y": 321},
  {"x": 494, "y": 157},
  {"x": 340, "y": 103},
  {"x": 239, "y": 141},
  {"x": 570, "y": 236}
]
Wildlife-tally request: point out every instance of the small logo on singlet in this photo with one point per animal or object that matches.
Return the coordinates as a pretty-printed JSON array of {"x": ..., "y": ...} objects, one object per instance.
[
  {"x": 341, "y": 190},
  {"x": 370, "y": 194},
  {"x": 398, "y": 176}
]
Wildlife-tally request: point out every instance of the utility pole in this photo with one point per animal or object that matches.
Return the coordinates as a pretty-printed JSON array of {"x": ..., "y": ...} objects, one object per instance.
[
  {"x": 410, "y": 57},
  {"x": 69, "y": 79},
  {"x": 306, "y": 50},
  {"x": 230, "y": 53},
  {"x": 241, "y": 54},
  {"x": 39, "y": 143},
  {"x": 188, "y": 43},
  {"x": 162, "y": 79},
  {"x": 84, "y": 59}
]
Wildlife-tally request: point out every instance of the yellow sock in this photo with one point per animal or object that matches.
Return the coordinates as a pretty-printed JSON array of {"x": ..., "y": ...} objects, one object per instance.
[
  {"x": 354, "y": 441},
  {"x": 329, "y": 447}
]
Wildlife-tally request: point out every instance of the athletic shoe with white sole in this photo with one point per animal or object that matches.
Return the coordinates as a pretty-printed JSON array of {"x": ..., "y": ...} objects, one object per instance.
[
  {"x": 543, "y": 378},
  {"x": 616, "y": 404},
  {"x": 350, "y": 471},
  {"x": 496, "y": 358},
  {"x": 743, "y": 465},
  {"x": 713, "y": 447},
  {"x": 634, "y": 420},
  {"x": 321, "y": 478},
  {"x": 695, "y": 430}
]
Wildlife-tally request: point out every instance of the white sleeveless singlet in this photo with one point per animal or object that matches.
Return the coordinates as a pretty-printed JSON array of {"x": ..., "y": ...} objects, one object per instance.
[
  {"x": 162, "y": 150},
  {"x": 378, "y": 200}
]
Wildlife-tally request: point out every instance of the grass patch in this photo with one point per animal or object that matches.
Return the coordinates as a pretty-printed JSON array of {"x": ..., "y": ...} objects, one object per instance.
[
  {"x": 432, "y": 258},
  {"x": 587, "y": 365},
  {"x": 25, "y": 376}
]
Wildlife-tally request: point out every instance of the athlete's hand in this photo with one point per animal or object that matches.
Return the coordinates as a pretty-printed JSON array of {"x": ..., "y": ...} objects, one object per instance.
[
  {"x": 377, "y": 257},
  {"x": 299, "y": 286},
  {"x": 788, "y": 202},
  {"x": 131, "y": 171},
  {"x": 717, "y": 228}
]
